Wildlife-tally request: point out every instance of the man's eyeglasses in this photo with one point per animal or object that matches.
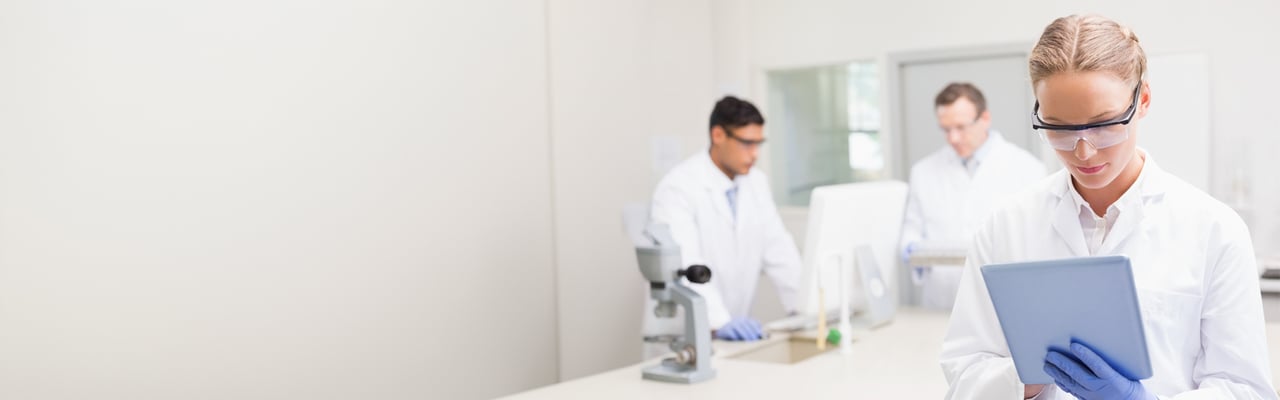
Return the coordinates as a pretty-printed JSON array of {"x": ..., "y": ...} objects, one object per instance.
[
  {"x": 946, "y": 130},
  {"x": 1099, "y": 134},
  {"x": 745, "y": 142}
]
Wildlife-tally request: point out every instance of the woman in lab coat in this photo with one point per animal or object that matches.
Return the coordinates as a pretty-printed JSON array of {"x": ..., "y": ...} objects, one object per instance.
[{"x": 1193, "y": 262}]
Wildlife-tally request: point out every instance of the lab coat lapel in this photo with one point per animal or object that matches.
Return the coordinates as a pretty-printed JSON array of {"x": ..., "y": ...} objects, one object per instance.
[
  {"x": 1066, "y": 219},
  {"x": 1148, "y": 211},
  {"x": 721, "y": 203},
  {"x": 746, "y": 208},
  {"x": 1126, "y": 224},
  {"x": 717, "y": 184}
]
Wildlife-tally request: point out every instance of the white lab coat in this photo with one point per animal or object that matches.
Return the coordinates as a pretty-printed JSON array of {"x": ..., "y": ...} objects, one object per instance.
[
  {"x": 946, "y": 205},
  {"x": 691, "y": 201},
  {"x": 1194, "y": 268}
]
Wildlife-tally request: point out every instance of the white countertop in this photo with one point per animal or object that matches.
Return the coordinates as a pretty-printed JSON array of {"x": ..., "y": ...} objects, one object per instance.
[{"x": 899, "y": 360}]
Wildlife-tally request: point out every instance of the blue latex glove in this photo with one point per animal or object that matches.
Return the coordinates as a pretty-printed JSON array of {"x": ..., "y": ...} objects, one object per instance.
[
  {"x": 741, "y": 329},
  {"x": 1091, "y": 378}
]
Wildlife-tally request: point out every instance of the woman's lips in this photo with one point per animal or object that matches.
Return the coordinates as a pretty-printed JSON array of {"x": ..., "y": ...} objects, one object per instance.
[{"x": 1091, "y": 170}]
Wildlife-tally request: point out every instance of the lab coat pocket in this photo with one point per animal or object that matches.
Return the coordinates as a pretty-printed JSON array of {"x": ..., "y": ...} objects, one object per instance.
[{"x": 1171, "y": 321}]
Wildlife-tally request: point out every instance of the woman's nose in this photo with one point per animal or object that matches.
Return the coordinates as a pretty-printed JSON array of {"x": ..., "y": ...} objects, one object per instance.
[{"x": 1085, "y": 150}]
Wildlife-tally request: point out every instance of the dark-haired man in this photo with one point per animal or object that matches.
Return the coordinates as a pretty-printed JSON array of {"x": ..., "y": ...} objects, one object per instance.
[
  {"x": 720, "y": 211},
  {"x": 955, "y": 188}
]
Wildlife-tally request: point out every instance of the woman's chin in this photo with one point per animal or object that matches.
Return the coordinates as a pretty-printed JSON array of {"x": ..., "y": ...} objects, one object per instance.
[{"x": 1091, "y": 181}]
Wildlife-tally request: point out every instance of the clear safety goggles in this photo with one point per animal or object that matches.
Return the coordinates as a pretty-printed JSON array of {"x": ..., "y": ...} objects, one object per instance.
[{"x": 1100, "y": 134}]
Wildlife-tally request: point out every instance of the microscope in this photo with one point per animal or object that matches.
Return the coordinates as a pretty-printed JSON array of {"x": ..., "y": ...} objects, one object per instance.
[{"x": 660, "y": 264}]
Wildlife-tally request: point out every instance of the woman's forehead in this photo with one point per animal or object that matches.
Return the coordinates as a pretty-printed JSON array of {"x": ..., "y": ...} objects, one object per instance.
[{"x": 1082, "y": 97}]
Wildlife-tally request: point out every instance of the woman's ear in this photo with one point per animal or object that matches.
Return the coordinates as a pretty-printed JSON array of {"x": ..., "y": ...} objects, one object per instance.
[{"x": 1144, "y": 99}]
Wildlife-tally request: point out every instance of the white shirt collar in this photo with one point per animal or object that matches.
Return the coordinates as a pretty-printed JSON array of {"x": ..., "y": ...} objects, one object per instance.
[
  {"x": 1130, "y": 198},
  {"x": 713, "y": 176},
  {"x": 984, "y": 150}
]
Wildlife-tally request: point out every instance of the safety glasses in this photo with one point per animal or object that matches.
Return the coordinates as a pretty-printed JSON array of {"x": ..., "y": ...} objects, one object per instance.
[
  {"x": 1100, "y": 134},
  {"x": 946, "y": 130},
  {"x": 748, "y": 143}
]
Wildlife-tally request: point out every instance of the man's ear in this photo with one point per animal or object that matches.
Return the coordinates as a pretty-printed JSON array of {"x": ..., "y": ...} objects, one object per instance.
[
  {"x": 985, "y": 117},
  {"x": 717, "y": 135}
]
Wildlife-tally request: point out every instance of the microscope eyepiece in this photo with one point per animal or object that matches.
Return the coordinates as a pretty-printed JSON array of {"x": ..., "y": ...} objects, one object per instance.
[{"x": 697, "y": 273}]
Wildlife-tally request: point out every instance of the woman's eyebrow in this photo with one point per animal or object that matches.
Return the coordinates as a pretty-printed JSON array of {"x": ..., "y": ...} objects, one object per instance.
[
  {"x": 1101, "y": 115},
  {"x": 1051, "y": 120},
  {"x": 1094, "y": 119}
]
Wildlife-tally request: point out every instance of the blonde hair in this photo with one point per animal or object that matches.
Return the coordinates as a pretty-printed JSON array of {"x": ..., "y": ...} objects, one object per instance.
[{"x": 1088, "y": 43}]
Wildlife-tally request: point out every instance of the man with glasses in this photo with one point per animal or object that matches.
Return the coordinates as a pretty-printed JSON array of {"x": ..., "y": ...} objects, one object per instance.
[
  {"x": 721, "y": 213},
  {"x": 955, "y": 188}
]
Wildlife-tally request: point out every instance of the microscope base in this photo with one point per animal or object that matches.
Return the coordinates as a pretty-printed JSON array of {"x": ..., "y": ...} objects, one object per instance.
[{"x": 670, "y": 371}]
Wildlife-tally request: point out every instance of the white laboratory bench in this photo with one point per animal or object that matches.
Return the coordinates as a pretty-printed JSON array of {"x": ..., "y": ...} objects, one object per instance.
[
  {"x": 1269, "y": 285},
  {"x": 899, "y": 360}
]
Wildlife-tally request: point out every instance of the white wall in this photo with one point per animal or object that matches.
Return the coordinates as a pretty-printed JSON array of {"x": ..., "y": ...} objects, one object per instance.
[
  {"x": 274, "y": 200},
  {"x": 756, "y": 35},
  {"x": 622, "y": 74}
]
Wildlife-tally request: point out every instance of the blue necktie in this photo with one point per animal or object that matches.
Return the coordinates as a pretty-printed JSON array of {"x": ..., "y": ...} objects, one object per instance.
[{"x": 732, "y": 194}]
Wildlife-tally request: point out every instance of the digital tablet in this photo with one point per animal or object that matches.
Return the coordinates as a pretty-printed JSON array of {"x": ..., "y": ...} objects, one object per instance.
[{"x": 1045, "y": 305}]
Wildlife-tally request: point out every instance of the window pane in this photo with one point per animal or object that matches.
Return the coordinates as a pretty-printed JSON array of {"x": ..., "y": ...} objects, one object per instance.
[{"x": 824, "y": 128}]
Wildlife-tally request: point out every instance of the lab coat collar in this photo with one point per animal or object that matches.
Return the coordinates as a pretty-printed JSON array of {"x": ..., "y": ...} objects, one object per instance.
[
  {"x": 1129, "y": 201},
  {"x": 712, "y": 176},
  {"x": 993, "y": 139},
  {"x": 1131, "y": 204},
  {"x": 717, "y": 184}
]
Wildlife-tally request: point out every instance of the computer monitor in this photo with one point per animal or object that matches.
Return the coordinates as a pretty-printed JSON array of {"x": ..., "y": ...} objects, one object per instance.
[{"x": 856, "y": 225}]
